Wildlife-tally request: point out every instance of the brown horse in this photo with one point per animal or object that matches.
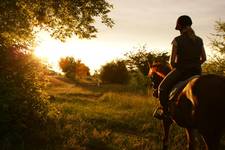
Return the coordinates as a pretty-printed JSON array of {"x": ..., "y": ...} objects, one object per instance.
[{"x": 199, "y": 105}]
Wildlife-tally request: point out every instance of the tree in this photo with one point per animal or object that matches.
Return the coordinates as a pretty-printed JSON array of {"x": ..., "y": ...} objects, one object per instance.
[
  {"x": 68, "y": 66},
  {"x": 217, "y": 63},
  {"x": 140, "y": 59},
  {"x": 61, "y": 18},
  {"x": 114, "y": 72},
  {"x": 24, "y": 106},
  {"x": 81, "y": 70},
  {"x": 73, "y": 68},
  {"x": 218, "y": 42},
  {"x": 26, "y": 115}
]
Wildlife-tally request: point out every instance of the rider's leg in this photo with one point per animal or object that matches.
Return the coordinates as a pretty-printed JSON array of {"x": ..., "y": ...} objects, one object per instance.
[{"x": 165, "y": 87}]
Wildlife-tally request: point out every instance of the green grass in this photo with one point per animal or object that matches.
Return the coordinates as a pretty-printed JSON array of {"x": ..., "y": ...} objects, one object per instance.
[{"x": 109, "y": 117}]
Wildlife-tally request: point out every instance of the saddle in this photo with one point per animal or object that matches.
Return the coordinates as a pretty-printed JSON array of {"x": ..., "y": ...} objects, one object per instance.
[
  {"x": 179, "y": 87},
  {"x": 158, "y": 113}
]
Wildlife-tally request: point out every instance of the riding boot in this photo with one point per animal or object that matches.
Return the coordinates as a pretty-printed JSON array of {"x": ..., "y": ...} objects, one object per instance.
[{"x": 162, "y": 112}]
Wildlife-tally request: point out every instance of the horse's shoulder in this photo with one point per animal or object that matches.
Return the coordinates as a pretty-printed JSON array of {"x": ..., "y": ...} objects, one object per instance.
[
  {"x": 183, "y": 104},
  {"x": 189, "y": 92}
]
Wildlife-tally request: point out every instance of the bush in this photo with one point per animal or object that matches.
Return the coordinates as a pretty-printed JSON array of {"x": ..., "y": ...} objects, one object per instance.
[
  {"x": 68, "y": 66},
  {"x": 73, "y": 69},
  {"x": 114, "y": 72},
  {"x": 138, "y": 81},
  {"x": 217, "y": 62},
  {"x": 25, "y": 113}
]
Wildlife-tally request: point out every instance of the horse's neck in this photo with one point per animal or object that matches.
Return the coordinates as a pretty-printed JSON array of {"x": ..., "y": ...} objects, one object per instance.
[{"x": 165, "y": 69}]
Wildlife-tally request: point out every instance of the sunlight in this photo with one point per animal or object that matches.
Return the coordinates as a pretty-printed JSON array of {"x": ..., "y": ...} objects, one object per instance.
[
  {"x": 49, "y": 50},
  {"x": 91, "y": 52}
]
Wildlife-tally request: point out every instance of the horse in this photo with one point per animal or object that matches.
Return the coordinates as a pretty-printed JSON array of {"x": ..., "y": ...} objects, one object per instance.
[{"x": 199, "y": 105}]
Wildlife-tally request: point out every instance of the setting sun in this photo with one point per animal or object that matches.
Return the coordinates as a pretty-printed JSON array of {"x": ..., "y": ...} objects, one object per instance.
[
  {"x": 91, "y": 52},
  {"x": 50, "y": 50}
]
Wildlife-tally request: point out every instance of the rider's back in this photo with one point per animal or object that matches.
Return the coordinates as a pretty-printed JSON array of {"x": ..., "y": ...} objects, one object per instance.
[{"x": 188, "y": 51}]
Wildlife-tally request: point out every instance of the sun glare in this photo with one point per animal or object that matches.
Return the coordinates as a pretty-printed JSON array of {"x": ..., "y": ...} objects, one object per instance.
[
  {"x": 49, "y": 50},
  {"x": 91, "y": 52}
]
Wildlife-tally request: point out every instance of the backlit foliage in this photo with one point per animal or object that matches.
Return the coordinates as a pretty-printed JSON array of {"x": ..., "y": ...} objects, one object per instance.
[
  {"x": 73, "y": 68},
  {"x": 24, "y": 107},
  {"x": 27, "y": 119},
  {"x": 61, "y": 18},
  {"x": 81, "y": 70},
  {"x": 68, "y": 66},
  {"x": 218, "y": 42},
  {"x": 140, "y": 59},
  {"x": 216, "y": 63}
]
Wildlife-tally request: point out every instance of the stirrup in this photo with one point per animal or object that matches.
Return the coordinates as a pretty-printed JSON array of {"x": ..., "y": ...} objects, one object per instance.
[{"x": 160, "y": 114}]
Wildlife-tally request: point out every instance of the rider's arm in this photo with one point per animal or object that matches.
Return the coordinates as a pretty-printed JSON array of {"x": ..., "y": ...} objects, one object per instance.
[
  {"x": 173, "y": 57},
  {"x": 203, "y": 56}
]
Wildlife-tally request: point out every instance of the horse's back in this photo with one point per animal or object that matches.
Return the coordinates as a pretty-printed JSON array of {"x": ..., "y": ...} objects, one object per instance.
[
  {"x": 201, "y": 103},
  {"x": 210, "y": 94},
  {"x": 210, "y": 91}
]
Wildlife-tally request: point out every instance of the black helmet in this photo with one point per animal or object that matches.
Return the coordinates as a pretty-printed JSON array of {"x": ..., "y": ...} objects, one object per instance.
[{"x": 183, "y": 21}]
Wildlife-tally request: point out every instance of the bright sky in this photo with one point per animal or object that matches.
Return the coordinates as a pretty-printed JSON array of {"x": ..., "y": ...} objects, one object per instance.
[{"x": 137, "y": 23}]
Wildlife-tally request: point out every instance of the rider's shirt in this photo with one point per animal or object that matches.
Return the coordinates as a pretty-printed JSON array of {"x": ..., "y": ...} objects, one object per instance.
[{"x": 188, "y": 51}]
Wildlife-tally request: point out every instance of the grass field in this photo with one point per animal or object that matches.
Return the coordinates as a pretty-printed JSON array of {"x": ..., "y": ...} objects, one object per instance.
[{"x": 109, "y": 117}]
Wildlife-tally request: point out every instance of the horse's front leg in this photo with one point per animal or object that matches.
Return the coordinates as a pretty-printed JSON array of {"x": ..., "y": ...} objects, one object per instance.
[{"x": 166, "y": 125}]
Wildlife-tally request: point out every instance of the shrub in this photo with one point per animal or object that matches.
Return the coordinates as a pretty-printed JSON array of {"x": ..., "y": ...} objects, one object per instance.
[
  {"x": 114, "y": 72},
  {"x": 138, "y": 81},
  {"x": 25, "y": 113}
]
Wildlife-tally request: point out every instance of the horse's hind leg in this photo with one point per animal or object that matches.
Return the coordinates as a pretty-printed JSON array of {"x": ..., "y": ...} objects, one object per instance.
[
  {"x": 166, "y": 125},
  {"x": 190, "y": 139},
  {"x": 212, "y": 140}
]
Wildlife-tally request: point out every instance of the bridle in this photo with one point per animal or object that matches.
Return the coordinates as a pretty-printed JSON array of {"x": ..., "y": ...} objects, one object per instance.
[
  {"x": 156, "y": 76},
  {"x": 155, "y": 70}
]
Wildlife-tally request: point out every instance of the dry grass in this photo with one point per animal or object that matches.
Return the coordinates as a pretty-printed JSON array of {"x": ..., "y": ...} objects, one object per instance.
[{"x": 109, "y": 117}]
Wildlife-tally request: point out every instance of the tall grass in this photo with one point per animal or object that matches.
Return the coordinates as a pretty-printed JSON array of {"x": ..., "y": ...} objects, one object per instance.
[{"x": 110, "y": 118}]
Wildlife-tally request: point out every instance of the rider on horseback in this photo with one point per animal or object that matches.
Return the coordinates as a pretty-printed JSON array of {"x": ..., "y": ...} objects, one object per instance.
[{"x": 186, "y": 58}]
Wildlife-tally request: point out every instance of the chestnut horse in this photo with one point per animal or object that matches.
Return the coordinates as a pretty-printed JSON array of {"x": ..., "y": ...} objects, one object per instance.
[{"x": 199, "y": 105}]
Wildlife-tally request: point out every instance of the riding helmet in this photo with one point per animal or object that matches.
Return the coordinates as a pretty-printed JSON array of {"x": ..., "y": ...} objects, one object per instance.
[{"x": 183, "y": 21}]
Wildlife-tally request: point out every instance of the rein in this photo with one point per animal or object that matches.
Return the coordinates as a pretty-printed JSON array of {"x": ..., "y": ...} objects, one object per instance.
[{"x": 160, "y": 74}]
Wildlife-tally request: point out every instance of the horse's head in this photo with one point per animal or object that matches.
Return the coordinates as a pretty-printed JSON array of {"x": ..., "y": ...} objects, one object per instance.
[{"x": 157, "y": 72}]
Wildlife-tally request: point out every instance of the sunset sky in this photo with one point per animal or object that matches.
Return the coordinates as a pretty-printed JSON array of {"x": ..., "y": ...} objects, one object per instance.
[{"x": 137, "y": 23}]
